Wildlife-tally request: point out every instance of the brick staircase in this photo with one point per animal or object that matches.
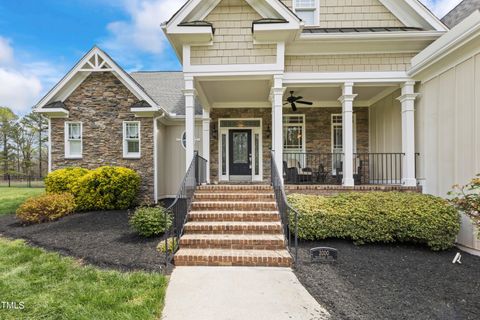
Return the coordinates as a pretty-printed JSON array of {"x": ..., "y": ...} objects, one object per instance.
[{"x": 233, "y": 225}]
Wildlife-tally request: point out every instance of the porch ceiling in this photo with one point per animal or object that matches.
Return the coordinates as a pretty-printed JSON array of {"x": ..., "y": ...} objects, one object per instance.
[{"x": 225, "y": 93}]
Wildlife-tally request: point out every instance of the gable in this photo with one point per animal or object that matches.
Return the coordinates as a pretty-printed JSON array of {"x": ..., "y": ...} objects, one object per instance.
[{"x": 233, "y": 39}]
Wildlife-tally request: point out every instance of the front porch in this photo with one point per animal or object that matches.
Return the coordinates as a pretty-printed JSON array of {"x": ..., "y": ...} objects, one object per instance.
[{"x": 347, "y": 134}]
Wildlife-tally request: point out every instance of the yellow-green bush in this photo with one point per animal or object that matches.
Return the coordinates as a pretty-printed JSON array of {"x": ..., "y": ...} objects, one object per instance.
[
  {"x": 171, "y": 244},
  {"x": 378, "y": 217},
  {"x": 63, "y": 180},
  {"x": 46, "y": 208},
  {"x": 107, "y": 188}
]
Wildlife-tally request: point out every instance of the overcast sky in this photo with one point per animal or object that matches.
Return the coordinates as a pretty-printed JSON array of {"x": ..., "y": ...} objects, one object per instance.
[{"x": 41, "y": 40}]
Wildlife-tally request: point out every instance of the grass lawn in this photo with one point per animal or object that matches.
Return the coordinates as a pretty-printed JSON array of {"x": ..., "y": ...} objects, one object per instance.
[
  {"x": 54, "y": 287},
  {"x": 11, "y": 198}
]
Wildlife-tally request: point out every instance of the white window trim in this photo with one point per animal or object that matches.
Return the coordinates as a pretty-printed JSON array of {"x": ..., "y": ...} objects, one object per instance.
[
  {"x": 354, "y": 131},
  {"x": 304, "y": 130},
  {"x": 67, "y": 140},
  {"x": 316, "y": 9},
  {"x": 126, "y": 154}
]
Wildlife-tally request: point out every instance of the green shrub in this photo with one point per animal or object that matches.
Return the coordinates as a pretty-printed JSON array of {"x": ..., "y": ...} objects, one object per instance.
[
  {"x": 46, "y": 208},
  {"x": 107, "y": 188},
  {"x": 171, "y": 243},
  {"x": 63, "y": 180},
  {"x": 378, "y": 217},
  {"x": 150, "y": 222}
]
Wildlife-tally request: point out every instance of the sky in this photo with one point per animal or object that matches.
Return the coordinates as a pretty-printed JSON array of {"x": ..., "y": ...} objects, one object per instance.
[{"x": 40, "y": 40}]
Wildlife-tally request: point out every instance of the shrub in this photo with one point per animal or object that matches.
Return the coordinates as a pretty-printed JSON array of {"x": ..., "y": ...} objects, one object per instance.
[
  {"x": 467, "y": 199},
  {"x": 107, "y": 188},
  {"x": 171, "y": 243},
  {"x": 63, "y": 180},
  {"x": 46, "y": 208},
  {"x": 378, "y": 217},
  {"x": 150, "y": 222}
]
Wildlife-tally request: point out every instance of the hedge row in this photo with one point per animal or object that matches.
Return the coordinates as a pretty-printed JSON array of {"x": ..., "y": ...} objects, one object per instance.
[
  {"x": 378, "y": 217},
  {"x": 105, "y": 188}
]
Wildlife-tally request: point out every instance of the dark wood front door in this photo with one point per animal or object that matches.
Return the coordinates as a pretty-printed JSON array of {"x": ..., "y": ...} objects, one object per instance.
[{"x": 240, "y": 142}]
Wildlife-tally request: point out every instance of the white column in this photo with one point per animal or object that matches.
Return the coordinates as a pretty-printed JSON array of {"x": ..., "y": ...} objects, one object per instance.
[
  {"x": 49, "y": 144},
  {"x": 189, "y": 93},
  {"x": 347, "y": 124},
  {"x": 206, "y": 140},
  {"x": 407, "y": 100},
  {"x": 277, "y": 121}
]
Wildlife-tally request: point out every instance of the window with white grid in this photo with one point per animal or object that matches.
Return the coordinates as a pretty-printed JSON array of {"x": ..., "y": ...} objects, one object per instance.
[
  {"x": 73, "y": 139},
  {"x": 307, "y": 10},
  {"x": 131, "y": 139}
]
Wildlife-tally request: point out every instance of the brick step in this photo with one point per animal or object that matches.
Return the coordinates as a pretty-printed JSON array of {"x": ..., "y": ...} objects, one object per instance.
[
  {"x": 230, "y": 257},
  {"x": 234, "y": 206},
  {"x": 232, "y": 227},
  {"x": 216, "y": 196},
  {"x": 234, "y": 241},
  {"x": 258, "y": 216},
  {"x": 235, "y": 188}
]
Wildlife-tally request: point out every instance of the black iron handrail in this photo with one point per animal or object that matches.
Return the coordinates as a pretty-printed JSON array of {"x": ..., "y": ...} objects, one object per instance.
[
  {"x": 284, "y": 208},
  {"x": 195, "y": 176}
]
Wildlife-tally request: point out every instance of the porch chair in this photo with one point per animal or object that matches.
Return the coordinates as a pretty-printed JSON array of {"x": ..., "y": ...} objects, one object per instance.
[{"x": 296, "y": 174}]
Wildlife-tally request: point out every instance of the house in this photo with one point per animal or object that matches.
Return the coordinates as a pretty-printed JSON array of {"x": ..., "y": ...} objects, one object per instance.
[{"x": 346, "y": 92}]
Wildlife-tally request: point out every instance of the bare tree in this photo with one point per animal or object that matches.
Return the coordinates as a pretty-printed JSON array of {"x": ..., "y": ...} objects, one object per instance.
[{"x": 7, "y": 119}]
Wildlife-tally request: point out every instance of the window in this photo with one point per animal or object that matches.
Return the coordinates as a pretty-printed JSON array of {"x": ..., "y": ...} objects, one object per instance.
[
  {"x": 131, "y": 139},
  {"x": 73, "y": 140},
  {"x": 307, "y": 10},
  {"x": 337, "y": 133},
  {"x": 294, "y": 133}
]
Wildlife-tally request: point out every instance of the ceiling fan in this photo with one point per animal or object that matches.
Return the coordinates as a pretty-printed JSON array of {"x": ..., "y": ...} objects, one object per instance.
[{"x": 292, "y": 100}]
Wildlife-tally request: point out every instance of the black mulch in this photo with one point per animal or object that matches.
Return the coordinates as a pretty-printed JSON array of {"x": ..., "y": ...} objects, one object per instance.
[
  {"x": 392, "y": 282},
  {"x": 102, "y": 238}
]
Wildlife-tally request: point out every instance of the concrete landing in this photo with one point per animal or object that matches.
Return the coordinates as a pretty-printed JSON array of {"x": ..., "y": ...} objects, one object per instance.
[{"x": 231, "y": 293}]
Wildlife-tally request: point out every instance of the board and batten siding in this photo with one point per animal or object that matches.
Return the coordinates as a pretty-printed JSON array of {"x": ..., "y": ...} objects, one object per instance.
[
  {"x": 353, "y": 14},
  {"x": 349, "y": 63},
  {"x": 172, "y": 170},
  {"x": 233, "y": 38},
  {"x": 448, "y": 113},
  {"x": 386, "y": 125}
]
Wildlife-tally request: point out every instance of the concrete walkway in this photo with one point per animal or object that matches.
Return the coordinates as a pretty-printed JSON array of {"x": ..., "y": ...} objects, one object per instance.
[{"x": 230, "y": 293}]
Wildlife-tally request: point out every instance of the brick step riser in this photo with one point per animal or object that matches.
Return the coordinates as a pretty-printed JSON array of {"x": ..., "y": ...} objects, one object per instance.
[
  {"x": 235, "y": 245},
  {"x": 233, "y": 261},
  {"x": 231, "y": 231},
  {"x": 234, "y": 197},
  {"x": 234, "y": 217},
  {"x": 241, "y": 189},
  {"x": 234, "y": 206}
]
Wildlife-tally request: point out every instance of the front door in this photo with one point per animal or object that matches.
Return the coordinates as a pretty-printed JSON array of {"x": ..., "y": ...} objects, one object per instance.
[{"x": 240, "y": 142}]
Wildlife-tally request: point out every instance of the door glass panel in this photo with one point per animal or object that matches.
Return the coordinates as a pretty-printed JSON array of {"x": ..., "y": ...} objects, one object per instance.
[
  {"x": 224, "y": 154},
  {"x": 240, "y": 148},
  {"x": 257, "y": 154}
]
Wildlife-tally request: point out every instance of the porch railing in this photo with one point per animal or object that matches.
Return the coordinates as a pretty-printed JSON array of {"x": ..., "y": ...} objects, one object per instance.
[
  {"x": 289, "y": 216},
  {"x": 195, "y": 176},
  {"x": 327, "y": 168}
]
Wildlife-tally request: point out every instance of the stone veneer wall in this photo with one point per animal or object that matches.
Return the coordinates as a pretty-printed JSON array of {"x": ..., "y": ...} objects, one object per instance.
[
  {"x": 233, "y": 39},
  {"x": 102, "y": 103},
  {"x": 353, "y": 14},
  {"x": 317, "y": 127},
  {"x": 349, "y": 63}
]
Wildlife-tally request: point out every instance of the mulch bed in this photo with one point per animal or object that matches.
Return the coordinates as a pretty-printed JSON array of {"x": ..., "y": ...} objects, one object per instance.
[
  {"x": 101, "y": 238},
  {"x": 392, "y": 282}
]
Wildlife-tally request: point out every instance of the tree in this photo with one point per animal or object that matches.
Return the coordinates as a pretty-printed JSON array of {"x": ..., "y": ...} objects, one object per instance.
[
  {"x": 38, "y": 124},
  {"x": 7, "y": 119}
]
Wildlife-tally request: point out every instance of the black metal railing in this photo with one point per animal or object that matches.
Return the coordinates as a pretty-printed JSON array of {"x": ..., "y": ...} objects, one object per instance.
[
  {"x": 312, "y": 168},
  {"x": 195, "y": 176},
  {"x": 378, "y": 168},
  {"x": 287, "y": 213},
  {"x": 327, "y": 168}
]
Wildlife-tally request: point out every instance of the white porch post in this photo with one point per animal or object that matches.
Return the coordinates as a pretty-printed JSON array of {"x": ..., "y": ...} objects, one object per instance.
[
  {"x": 206, "y": 140},
  {"x": 347, "y": 123},
  {"x": 407, "y": 100},
  {"x": 189, "y": 93},
  {"x": 277, "y": 121}
]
